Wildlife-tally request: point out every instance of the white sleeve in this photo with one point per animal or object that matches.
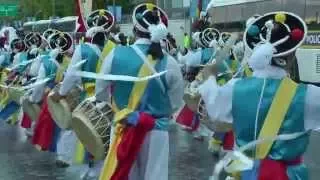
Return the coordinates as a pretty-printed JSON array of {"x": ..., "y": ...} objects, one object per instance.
[
  {"x": 175, "y": 83},
  {"x": 102, "y": 86},
  {"x": 312, "y": 107},
  {"x": 193, "y": 58},
  {"x": 38, "y": 91},
  {"x": 218, "y": 99},
  {"x": 35, "y": 66},
  {"x": 70, "y": 80}
]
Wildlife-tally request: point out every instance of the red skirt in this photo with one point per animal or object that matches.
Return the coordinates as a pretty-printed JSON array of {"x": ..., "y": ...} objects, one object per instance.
[
  {"x": 44, "y": 129},
  {"x": 26, "y": 121},
  {"x": 188, "y": 119}
]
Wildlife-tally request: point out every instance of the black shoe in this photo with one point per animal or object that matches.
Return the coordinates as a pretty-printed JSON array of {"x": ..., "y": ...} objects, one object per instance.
[{"x": 62, "y": 164}]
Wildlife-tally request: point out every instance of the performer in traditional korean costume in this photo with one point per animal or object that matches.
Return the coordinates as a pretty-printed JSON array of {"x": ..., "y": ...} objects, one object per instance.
[
  {"x": 47, "y": 132},
  {"x": 100, "y": 23},
  {"x": 269, "y": 103},
  {"x": 142, "y": 109}
]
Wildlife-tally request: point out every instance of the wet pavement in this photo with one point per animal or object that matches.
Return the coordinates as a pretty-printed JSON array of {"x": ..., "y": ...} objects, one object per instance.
[{"x": 189, "y": 159}]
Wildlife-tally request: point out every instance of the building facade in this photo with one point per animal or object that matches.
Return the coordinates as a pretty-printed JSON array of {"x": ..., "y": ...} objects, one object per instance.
[{"x": 235, "y": 15}]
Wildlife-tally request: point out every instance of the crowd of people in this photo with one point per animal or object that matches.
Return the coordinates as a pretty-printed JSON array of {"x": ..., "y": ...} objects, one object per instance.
[{"x": 107, "y": 103}]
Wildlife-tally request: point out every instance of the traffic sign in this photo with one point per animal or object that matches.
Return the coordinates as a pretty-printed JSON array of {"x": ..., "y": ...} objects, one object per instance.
[{"x": 8, "y": 10}]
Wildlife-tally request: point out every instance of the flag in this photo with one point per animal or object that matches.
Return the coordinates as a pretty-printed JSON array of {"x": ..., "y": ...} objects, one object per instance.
[
  {"x": 199, "y": 8},
  {"x": 195, "y": 8},
  {"x": 81, "y": 26}
]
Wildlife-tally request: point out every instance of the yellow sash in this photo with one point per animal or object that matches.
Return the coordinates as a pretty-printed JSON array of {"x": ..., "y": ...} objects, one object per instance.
[
  {"x": 62, "y": 69},
  {"x": 137, "y": 92},
  {"x": 90, "y": 87},
  {"x": 106, "y": 50},
  {"x": 247, "y": 71},
  {"x": 276, "y": 115}
]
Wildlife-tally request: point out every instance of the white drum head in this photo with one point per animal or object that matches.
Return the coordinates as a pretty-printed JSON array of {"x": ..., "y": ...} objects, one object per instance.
[
  {"x": 191, "y": 101},
  {"x": 15, "y": 95},
  {"x": 88, "y": 135},
  {"x": 33, "y": 110},
  {"x": 60, "y": 112}
]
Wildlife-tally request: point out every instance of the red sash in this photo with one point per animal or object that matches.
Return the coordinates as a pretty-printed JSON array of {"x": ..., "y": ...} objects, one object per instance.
[
  {"x": 228, "y": 141},
  {"x": 276, "y": 170},
  {"x": 130, "y": 146}
]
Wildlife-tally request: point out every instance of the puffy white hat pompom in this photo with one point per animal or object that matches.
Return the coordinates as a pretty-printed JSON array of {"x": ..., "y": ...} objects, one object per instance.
[
  {"x": 158, "y": 32},
  {"x": 261, "y": 56}
]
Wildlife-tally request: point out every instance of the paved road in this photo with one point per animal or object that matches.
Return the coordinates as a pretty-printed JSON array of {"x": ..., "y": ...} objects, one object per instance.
[{"x": 189, "y": 159}]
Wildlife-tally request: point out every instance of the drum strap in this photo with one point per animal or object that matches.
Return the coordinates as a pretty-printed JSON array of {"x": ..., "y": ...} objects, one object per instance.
[
  {"x": 136, "y": 95},
  {"x": 276, "y": 116}
]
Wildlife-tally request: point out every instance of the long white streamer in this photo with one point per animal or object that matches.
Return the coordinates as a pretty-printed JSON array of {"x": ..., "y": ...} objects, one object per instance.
[
  {"x": 230, "y": 156},
  {"x": 28, "y": 87},
  {"x": 111, "y": 77},
  {"x": 20, "y": 64}
]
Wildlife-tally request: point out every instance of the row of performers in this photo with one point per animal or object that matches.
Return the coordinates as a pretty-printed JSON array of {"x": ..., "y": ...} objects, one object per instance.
[{"x": 141, "y": 86}]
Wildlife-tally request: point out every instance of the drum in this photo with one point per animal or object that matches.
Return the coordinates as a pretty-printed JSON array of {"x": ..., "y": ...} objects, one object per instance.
[
  {"x": 92, "y": 121},
  {"x": 61, "y": 111},
  {"x": 15, "y": 95},
  {"x": 31, "y": 109},
  {"x": 187, "y": 118},
  {"x": 191, "y": 98},
  {"x": 203, "y": 115}
]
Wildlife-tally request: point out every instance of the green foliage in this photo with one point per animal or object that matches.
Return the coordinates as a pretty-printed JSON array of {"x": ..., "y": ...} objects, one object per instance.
[{"x": 43, "y": 9}]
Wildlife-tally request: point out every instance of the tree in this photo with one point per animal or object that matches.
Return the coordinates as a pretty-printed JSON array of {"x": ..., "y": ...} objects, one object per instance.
[{"x": 44, "y": 9}]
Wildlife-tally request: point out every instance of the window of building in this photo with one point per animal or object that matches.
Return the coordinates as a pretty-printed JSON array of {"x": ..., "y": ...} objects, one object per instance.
[{"x": 177, "y": 4}]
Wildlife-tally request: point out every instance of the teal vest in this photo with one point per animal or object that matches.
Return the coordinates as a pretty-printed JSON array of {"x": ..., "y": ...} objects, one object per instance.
[
  {"x": 23, "y": 57},
  {"x": 206, "y": 55},
  {"x": 49, "y": 66},
  {"x": 87, "y": 53},
  {"x": 246, "y": 96},
  {"x": 127, "y": 62},
  {"x": 45, "y": 52},
  {"x": 6, "y": 62}
]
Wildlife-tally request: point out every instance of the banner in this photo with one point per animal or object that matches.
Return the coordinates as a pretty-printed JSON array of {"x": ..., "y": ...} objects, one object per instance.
[
  {"x": 312, "y": 40},
  {"x": 218, "y": 3},
  {"x": 195, "y": 8},
  {"x": 81, "y": 24},
  {"x": 116, "y": 11},
  {"x": 87, "y": 7}
]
